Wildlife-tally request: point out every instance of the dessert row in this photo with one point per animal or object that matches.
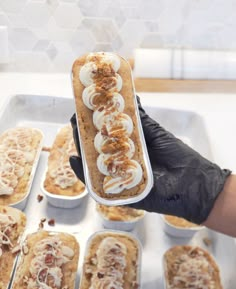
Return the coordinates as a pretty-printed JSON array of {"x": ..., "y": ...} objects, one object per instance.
[
  {"x": 59, "y": 183},
  {"x": 112, "y": 259},
  {"x": 19, "y": 153},
  {"x": 20, "y": 149}
]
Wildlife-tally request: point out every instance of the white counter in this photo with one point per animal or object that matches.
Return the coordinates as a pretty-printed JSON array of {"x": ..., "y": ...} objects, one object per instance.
[{"x": 218, "y": 110}]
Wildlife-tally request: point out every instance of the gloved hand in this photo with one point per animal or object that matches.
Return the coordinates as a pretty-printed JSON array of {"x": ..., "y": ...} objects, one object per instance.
[
  {"x": 185, "y": 183},
  {"x": 76, "y": 161}
]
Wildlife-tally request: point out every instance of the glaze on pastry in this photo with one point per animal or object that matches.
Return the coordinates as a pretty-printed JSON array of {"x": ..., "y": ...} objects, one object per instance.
[{"x": 19, "y": 148}]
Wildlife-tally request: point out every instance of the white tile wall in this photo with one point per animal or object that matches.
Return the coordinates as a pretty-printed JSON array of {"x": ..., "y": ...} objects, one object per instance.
[{"x": 46, "y": 35}]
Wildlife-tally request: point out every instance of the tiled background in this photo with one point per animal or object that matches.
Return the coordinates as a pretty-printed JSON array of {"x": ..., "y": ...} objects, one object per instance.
[{"x": 47, "y": 35}]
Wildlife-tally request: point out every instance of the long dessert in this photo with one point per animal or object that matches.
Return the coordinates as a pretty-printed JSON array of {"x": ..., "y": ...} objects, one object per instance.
[
  {"x": 12, "y": 226},
  {"x": 49, "y": 260},
  {"x": 60, "y": 178},
  {"x": 111, "y": 261},
  {"x": 190, "y": 267},
  {"x": 108, "y": 125},
  {"x": 19, "y": 148}
]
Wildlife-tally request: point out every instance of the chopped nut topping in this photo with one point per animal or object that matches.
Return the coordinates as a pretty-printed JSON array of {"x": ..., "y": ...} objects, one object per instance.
[
  {"x": 25, "y": 280},
  {"x": 46, "y": 149},
  {"x": 39, "y": 198},
  {"x": 25, "y": 249},
  {"x": 41, "y": 225},
  {"x": 51, "y": 222},
  {"x": 207, "y": 241}
]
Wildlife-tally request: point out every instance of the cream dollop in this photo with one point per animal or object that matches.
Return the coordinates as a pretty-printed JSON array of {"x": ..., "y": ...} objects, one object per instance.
[
  {"x": 101, "y": 141},
  {"x": 90, "y": 93},
  {"x": 106, "y": 57},
  {"x": 113, "y": 121},
  {"x": 131, "y": 177},
  {"x": 87, "y": 73}
]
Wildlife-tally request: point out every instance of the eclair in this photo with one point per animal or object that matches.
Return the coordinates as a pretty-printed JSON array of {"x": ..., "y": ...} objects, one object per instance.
[{"x": 109, "y": 130}]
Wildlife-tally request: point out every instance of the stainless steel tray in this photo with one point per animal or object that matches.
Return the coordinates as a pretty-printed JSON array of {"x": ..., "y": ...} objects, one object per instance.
[{"x": 50, "y": 113}]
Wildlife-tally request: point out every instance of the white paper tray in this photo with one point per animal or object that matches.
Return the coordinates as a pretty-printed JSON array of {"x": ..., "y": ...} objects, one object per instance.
[{"x": 48, "y": 114}]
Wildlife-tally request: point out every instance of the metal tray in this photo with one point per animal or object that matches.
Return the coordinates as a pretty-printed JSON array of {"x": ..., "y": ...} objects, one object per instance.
[{"x": 50, "y": 113}]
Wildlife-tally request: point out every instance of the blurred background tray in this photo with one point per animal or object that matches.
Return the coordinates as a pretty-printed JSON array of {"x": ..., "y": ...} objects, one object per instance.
[{"x": 49, "y": 114}]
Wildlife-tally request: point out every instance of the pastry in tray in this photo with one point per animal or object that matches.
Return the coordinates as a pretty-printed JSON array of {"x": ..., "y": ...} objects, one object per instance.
[
  {"x": 48, "y": 260},
  {"x": 60, "y": 178},
  {"x": 109, "y": 127},
  {"x": 112, "y": 260},
  {"x": 119, "y": 213},
  {"x": 19, "y": 153},
  {"x": 12, "y": 226},
  {"x": 190, "y": 267}
]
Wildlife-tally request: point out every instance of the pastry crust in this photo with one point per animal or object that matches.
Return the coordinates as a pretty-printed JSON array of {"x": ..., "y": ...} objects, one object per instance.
[
  {"x": 193, "y": 266},
  {"x": 12, "y": 225},
  {"x": 119, "y": 213},
  {"x": 88, "y": 131},
  {"x": 23, "y": 276},
  {"x": 60, "y": 178},
  {"x": 179, "y": 222},
  {"x": 131, "y": 276},
  {"x": 19, "y": 151}
]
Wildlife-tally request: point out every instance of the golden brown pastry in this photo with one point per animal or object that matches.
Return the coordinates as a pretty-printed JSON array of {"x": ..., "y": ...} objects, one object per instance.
[
  {"x": 60, "y": 178},
  {"x": 49, "y": 260},
  {"x": 108, "y": 124},
  {"x": 12, "y": 226},
  {"x": 190, "y": 267},
  {"x": 111, "y": 261},
  {"x": 119, "y": 213},
  {"x": 179, "y": 222},
  {"x": 19, "y": 152}
]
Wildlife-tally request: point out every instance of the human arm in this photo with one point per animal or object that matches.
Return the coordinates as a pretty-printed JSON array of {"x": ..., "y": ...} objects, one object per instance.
[{"x": 222, "y": 217}]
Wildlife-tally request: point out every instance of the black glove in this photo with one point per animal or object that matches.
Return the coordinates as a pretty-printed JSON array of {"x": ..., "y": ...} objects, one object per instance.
[
  {"x": 185, "y": 183},
  {"x": 76, "y": 161}
]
